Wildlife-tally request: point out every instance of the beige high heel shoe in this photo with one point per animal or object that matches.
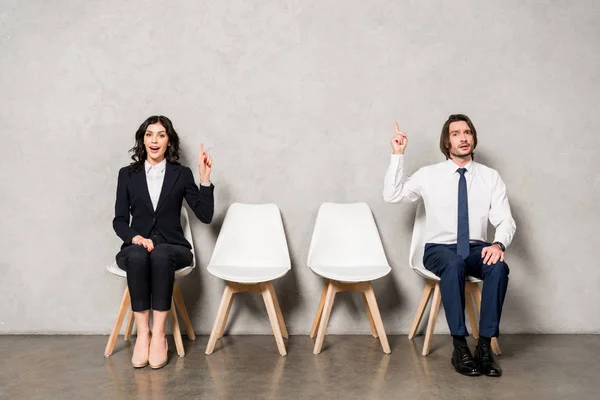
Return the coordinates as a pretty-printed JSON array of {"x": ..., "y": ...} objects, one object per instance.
[
  {"x": 159, "y": 363},
  {"x": 141, "y": 360}
]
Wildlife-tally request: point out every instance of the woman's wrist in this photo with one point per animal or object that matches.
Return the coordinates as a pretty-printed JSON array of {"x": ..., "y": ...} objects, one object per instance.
[{"x": 136, "y": 239}]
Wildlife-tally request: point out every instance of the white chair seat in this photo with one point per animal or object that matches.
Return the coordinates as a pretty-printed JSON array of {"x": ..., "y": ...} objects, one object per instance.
[
  {"x": 248, "y": 275},
  {"x": 114, "y": 269},
  {"x": 430, "y": 275},
  {"x": 352, "y": 274}
]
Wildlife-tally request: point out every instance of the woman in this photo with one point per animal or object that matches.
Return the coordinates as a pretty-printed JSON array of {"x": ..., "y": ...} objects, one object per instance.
[{"x": 152, "y": 190}]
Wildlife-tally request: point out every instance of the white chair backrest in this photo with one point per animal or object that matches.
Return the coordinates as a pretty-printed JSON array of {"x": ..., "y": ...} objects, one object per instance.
[
  {"x": 417, "y": 247},
  {"x": 187, "y": 232},
  {"x": 345, "y": 235},
  {"x": 417, "y": 243},
  {"x": 252, "y": 236}
]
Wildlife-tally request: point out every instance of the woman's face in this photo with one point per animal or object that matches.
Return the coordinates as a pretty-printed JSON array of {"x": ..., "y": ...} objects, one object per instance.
[{"x": 156, "y": 142}]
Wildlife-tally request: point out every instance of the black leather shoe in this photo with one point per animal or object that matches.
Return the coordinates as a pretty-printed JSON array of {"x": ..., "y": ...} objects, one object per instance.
[
  {"x": 463, "y": 362},
  {"x": 485, "y": 361}
]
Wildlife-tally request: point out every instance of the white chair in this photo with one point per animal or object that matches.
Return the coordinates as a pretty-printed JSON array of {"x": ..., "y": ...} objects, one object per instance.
[
  {"x": 472, "y": 289},
  {"x": 346, "y": 250},
  {"x": 176, "y": 302},
  {"x": 251, "y": 251}
]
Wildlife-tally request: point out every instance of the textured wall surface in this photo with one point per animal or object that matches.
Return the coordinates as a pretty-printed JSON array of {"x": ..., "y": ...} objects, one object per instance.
[{"x": 295, "y": 100}]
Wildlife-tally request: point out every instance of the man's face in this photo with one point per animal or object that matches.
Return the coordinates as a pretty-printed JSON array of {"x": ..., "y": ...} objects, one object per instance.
[{"x": 461, "y": 140}]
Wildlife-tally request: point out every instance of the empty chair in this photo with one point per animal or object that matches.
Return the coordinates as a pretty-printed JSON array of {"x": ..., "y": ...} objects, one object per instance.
[
  {"x": 176, "y": 304},
  {"x": 346, "y": 250},
  {"x": 472, "y": 289},
  {"x": 251, "y": 251}
]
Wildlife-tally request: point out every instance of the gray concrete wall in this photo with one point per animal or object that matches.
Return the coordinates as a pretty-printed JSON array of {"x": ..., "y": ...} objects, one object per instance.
[{"x": 295, "y": 100}]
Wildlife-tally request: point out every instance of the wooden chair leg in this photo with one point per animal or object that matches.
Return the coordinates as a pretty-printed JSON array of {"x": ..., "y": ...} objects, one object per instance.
[
  {"x": 282, "y": 326},
  {"x": 372, "y": 303},
  {"x": 435, "y": 308},
  {"x": 234, "y": 290},
  {"x": 176, "y": 330},
  {"x": 496, "y": 346},
  {"x": 371, "y": 323},
  {"x": 269, "y": 304},
  {"x": 220, "y": 319},
  {"x": 183, "y": 311},
  {"x": 224, "y": 324},
  {"x": 330, "y": 296},
  {"x": 114, "y": 333},
  {"x": 429, "y": 287},
  {"x": 315, "y": 325},
  {"x": 129, "y": 329},
  {"x": 469, "y": 299},
  {"x": 477, "y": 296}
]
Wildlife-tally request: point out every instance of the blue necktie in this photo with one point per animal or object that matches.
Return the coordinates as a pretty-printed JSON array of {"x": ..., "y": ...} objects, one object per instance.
[{"x": 462, "y": 239}]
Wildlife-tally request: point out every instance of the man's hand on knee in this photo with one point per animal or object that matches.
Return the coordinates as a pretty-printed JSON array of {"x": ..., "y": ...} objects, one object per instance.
[{"x": 492, "y": 254}]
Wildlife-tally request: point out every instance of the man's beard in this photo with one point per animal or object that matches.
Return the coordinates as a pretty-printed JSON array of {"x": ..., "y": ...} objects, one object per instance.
[{"x": 455, "y": 154}]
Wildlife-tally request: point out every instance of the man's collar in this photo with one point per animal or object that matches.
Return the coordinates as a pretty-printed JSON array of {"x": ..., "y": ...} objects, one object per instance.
[{"x": 452, "y": 167}]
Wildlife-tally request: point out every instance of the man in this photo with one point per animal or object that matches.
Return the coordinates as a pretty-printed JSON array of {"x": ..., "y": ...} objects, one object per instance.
[{"x": 460, "y": 196}]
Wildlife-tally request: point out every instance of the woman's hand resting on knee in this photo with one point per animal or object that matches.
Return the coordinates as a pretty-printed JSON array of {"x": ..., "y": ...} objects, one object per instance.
[{"x": 141, "y": 241}]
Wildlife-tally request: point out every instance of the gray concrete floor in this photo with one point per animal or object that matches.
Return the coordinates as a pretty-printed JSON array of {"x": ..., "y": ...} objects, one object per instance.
[{"x": 249, "y": 367}]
